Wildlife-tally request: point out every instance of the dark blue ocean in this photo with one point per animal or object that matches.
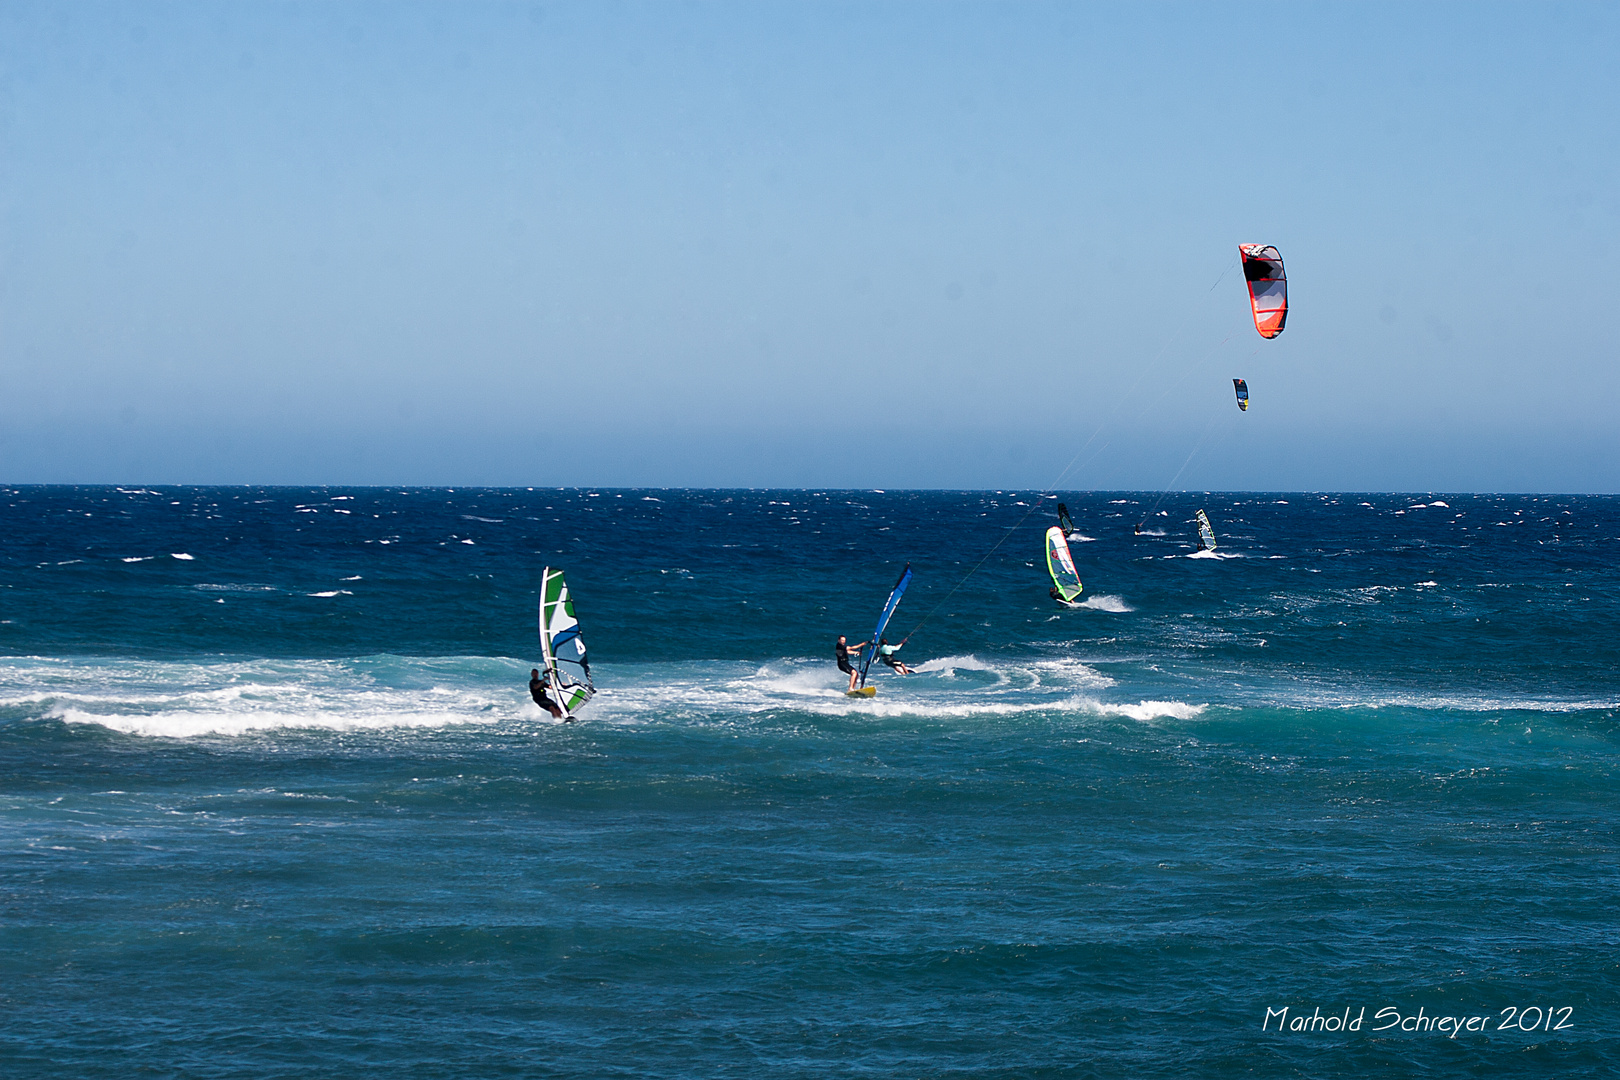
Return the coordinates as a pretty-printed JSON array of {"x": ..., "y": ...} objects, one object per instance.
[{"x": 274, "y": 801}]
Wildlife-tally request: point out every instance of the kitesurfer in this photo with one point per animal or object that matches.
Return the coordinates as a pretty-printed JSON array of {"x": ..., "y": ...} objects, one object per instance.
[
  {"x": 886, "y": 655},
  {"x": 842, "y": 651},
  {"x": 537, "y": 690}
]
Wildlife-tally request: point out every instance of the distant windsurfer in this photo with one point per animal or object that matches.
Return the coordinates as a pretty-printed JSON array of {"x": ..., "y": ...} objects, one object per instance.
[
  {"x": 537, "y": 690},
  {"x": 886, "y": 655},
  {"x": 1065, "y": 522},
  {"x": 842, "y": 651}
]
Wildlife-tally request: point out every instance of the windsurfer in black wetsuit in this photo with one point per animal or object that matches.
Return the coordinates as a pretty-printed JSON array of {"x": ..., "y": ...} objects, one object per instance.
[
  {"x": 1065, "y": 522},
  {"x": 842, "y": 651},
  {"x": 537, "y": 690}
]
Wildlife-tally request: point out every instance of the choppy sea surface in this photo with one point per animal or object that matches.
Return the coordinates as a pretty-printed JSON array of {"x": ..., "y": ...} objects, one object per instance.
[{"x": 274, "y": 801}]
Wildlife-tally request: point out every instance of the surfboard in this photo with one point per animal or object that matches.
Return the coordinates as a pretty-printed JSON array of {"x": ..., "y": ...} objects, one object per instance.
[{"x": 865, "y": 691}]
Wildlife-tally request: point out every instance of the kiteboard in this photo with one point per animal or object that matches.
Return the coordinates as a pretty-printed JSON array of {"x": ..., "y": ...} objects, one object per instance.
[{"x": 865, "y": 691}]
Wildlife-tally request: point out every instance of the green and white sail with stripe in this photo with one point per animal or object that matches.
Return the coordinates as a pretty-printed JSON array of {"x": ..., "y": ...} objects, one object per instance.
[
  {"x": 1206, "y": 534},
  {"x": 1061, "y": 564},
  {"x": 564, "y": 650}
]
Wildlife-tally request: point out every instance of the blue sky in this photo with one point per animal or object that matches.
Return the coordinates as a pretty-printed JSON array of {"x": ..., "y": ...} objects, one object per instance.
[{"x": 892, "y": 245}]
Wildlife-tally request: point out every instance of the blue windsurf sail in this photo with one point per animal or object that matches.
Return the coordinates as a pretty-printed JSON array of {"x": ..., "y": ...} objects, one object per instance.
[{"x": 883, "y": 619}]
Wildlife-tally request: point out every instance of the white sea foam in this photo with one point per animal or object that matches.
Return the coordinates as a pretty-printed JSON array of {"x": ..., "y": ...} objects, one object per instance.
[
  {"x": 1154, "y": 710},
  {"x": 1107, "y": 603},
  {"x": 950, "y": 665},
  {"x": 188, "y": 725},
  {"x": 1079, "y": 539},
  {"x": 185, "y": 700},
  {"x": 190, "y": 700},
  {"x": 385, "y": 693},
  {"x": 1329, "y": 697},
  {"x": 181, "y": 555}
]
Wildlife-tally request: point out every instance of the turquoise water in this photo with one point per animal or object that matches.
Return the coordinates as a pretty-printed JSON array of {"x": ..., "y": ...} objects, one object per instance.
[{"x": 282, "y": 807}]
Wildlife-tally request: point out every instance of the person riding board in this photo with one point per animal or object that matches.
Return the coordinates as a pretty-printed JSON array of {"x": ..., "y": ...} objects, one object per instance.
[
  {"x": 886, "y": 655},
  {"x": 842, "y": 651},
  {"x": 537, "y": 690},
  {"x": 1065, "y": 522}
]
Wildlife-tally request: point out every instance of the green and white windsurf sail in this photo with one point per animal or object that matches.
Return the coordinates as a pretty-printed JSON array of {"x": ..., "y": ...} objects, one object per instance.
[
  {"x": 1061, "y": 564},
  {"x": 564, "y": 650},
  {"x": 1206, "y": 535}
]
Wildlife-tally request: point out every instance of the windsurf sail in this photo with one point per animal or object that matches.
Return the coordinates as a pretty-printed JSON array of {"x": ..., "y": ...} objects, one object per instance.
[
  {"x": 1242, "y": 389},
  {"x": 1061, "y": 565},
  {"x": 883, "y": 619},
  {"x": 1206, "y": 535},
  {"x": 1064, "y": 520},
  {"x": 1268, "y": 287},
  {"x": 561, "y": 644}
]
